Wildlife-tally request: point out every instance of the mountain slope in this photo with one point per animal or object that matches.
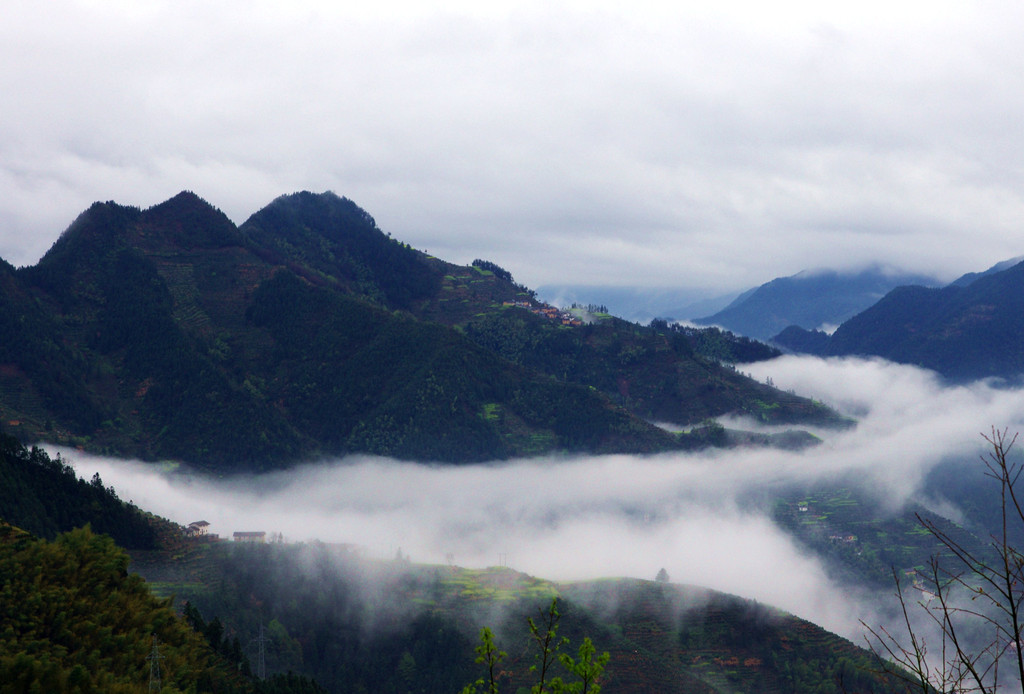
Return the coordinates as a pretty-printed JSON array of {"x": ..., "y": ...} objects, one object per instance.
[
  {"x": 336, "y": 238},
  {"x": 172, "y": 333},
  {"x": 809, "y": 300},
  {"x": 962, "y": 332}
]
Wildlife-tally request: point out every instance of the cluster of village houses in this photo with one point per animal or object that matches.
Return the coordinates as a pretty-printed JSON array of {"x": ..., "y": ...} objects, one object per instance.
[
  {"x": 201, "y": 528},
  {"x": 549, "y": 312},
  {"x": 835, "y": 538}
]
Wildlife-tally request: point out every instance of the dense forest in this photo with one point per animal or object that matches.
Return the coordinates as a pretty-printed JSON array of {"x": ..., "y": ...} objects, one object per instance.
[
  {"x": 44, "y": 496},
  {"x": 72, "y": 619}
]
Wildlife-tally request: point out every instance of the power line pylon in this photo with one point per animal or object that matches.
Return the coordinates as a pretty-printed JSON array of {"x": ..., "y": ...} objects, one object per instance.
[
  {"x": 261, "y": 658},
  {"x": 154, "y": 658}
]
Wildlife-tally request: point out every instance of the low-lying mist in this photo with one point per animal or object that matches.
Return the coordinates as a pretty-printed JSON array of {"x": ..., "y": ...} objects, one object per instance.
[{"x": 570, "y": 518}]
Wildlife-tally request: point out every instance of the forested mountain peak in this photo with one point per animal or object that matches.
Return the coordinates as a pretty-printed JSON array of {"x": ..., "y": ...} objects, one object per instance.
[
  {"x": 341, "y": 241},
  {"x": 185, "y": 222},
  {"x": 92, "y": 233},
  {"x": 188, "y": 221},
  {"x": 326, "y": 213}
]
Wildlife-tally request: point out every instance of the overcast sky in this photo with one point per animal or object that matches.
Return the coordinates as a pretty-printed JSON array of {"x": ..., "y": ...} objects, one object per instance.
[{"x": 709, "y": 145}]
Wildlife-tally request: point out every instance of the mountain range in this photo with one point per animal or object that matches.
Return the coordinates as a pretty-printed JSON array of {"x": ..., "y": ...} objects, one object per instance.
[
  {"x": 970, "y": 329},
  {"x": 810, "y": 299},
  {"x": 173, "y": 333}
]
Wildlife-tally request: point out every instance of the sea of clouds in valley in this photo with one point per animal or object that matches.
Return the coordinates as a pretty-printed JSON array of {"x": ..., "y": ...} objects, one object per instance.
[{"x": 584, "y": 517}]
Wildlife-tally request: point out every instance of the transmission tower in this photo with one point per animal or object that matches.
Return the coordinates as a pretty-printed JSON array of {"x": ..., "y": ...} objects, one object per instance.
[
  {"x": 261, "y": 658},
  {"x": 154, "y": 658}
]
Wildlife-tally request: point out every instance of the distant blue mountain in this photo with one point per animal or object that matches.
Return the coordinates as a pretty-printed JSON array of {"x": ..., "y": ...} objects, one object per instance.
[
  {"x": 973, "y": 328},
  {"x": 811, "y": 299},
  {"x": 967, "y": 279}
]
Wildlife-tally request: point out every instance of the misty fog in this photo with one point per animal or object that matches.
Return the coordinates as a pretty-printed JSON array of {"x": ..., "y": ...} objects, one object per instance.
[{"x": 578, "y": 517}]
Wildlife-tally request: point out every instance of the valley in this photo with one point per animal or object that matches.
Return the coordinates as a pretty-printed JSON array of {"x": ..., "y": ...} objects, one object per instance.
[{"x": 431, "y": 450}]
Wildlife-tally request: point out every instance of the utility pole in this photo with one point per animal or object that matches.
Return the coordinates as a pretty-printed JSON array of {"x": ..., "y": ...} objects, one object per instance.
[{"x": 154, "y": 657}]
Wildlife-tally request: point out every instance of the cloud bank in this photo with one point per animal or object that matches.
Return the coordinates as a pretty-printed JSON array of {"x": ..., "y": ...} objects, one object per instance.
[{"x": 580, "y": 517}]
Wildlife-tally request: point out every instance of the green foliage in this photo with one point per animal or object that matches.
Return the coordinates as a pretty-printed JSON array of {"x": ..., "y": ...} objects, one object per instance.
[
  {"x": 395, "y": 627},
  {"x": 720, "y": 643},
  {"x": 859, "y": 539},
  {"x": 43, "y": 372},
  {"x": 658, "y": 372},
  {"x": 73, "y": 620},
  {"x": 719, "y": 345},
  {"x": 142, "y": 384},
  {"x": 490, "y": 657},
  {"x": 360, "y": 379},
  {"x": 493, "y": 268},
  {"x": 585, "y": 669},
  {"x": 288, "y": 683},
  {"x": 352, "y": 624},
  {"x": 708, "y": 434}
]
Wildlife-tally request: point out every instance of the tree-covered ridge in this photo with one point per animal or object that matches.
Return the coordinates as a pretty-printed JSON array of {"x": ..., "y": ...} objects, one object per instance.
[
  {"x": 660, "y": 372},
  {"x": 655, "y": 371},
  {"x": 45, "y": 497},
  {"x": 686, "y": 639},
  {"x": 360, "y": 379}
]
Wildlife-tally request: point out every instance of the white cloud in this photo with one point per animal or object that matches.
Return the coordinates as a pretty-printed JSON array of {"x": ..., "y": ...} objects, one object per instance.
[{"x": 573, "y": 518}]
